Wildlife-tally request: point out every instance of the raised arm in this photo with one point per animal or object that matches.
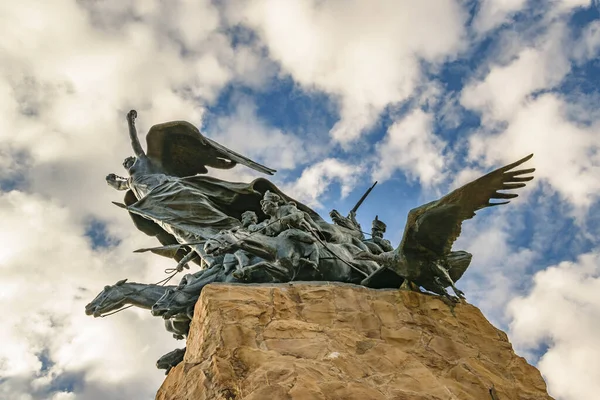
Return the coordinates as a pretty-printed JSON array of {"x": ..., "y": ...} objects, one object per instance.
[{"x": 135, "y": 141}]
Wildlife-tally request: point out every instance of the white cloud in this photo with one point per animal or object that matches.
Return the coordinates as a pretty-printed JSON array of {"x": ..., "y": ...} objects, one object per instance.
[
  {"x": 493, "y": 13},
  {"x": 366, "y": 54},
  {"x": 566, "y": 154},
  {"x": 499, "y": 268},
  {"x": 505, "y": 87},
  {"x": 316, "y": 179},
  {"x": 411, "y": 146},
  {"x": 516, "y": 121},
  {"x": 587, "y": 46},
  {"x": 49, "y": 272},
  {"x": 244, "y": 132},
  {"x": 69, "y": 71},
  {"x": 562, "y": 311},
  {"x": 565, "y": 6}
]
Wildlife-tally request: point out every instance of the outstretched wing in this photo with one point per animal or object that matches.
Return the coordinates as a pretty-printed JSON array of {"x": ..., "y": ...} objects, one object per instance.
[
  {"x": 182, "y": 150},
  {"x": 435, "y": 226}
]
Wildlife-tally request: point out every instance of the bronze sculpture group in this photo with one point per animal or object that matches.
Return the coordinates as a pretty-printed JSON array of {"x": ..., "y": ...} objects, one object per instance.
[{"x": 254, "y": 233}]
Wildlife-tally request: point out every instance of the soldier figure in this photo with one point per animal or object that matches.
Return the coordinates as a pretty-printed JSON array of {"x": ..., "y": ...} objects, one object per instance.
[
  {"x": 377, "y": 244},
  {"x": 284, "y": 216},
  {"x": 250, "y": 221}
]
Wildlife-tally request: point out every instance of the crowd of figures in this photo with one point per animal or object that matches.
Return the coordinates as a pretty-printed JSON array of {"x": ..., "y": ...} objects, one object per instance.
[
  {"x": 287, "y": 245},
  {"x": 254, "y": 233}
]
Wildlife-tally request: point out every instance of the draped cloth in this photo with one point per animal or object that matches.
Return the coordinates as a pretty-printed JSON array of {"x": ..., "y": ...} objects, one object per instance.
[{"x": 198, "y": 207}]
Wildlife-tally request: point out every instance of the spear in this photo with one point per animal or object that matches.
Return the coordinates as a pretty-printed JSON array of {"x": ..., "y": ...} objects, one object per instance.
[{"x": 359, "y": 203}]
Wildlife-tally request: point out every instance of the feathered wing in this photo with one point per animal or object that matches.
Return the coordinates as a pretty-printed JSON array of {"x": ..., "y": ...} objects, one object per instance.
[
  {"x": 182, "y": 150},
  {"x": 434, "y": 227}
]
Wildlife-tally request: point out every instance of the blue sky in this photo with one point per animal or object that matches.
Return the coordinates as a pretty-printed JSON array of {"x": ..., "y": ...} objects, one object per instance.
[{"x": 421, "y": 96}]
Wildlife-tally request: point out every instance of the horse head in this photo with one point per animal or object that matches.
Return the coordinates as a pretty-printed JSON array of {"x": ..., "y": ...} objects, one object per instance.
[
  {"x": 212, "y": 246},
  {"x": 110, "y": 299},
  {"x": 219, "y": 242}
]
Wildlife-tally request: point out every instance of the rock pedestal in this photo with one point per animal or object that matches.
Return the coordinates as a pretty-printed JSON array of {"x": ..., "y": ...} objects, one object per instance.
[{"x": 334, "y": 341}]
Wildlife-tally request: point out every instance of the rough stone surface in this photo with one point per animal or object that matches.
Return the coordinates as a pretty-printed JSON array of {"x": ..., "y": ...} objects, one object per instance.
[{"x": 331, "y": 341}]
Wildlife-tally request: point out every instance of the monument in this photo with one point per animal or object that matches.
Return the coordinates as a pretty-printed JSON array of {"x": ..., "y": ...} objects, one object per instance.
[{"x": 253, "y": 233}]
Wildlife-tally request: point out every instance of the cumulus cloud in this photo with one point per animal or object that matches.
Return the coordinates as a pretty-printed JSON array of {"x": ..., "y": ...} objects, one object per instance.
[
  {"x": 566, "y": 154},
  {"x": 49, "y": 272},
  {"x": 588, "y": 45},
  {"x": 315, "y": 180},
  {"x": 499, "y": 268},
  {"x": 562, "y": 312},
  {"x": 270, "y": 145},
  {"x": 565, "y": 6},
  {"x": 493, "y": 13},
  {"x": 410, "y": 145},
  {"x": 69, "y": 71},
  {"x": 519, "y": 118},
  {"x": 365, "y": 54},
  {"x": 505, "y": 87}
]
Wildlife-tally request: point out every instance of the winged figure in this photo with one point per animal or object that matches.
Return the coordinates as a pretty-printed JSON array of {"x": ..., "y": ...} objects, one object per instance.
[
  {"x": 167, "y": 198},
  {"x": 424, "y": 256}
]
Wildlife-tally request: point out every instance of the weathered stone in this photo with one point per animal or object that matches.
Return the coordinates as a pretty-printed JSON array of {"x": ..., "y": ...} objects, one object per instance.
[{"x": 334, "y": 341}]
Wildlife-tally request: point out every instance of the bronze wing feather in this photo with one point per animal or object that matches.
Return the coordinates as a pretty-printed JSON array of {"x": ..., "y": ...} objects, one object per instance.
[
  {"x": 433, "y": 227},
  {"x": 182, "y": 150}
]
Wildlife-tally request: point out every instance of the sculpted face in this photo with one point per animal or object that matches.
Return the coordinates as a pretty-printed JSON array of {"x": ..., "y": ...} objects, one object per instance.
[
  {"x": 211, "y": 246},
  {"x": 377, "y": 233},
  {"x": 268, "y": 207},
  {"x": 249, "y": 219}
]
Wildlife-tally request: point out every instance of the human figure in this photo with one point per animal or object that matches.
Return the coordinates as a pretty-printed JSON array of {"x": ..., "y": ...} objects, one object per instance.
[
  {"x": 377, "y": 244},
  {"x": 242, "y": 258},
  {"x": 167, "y": 199},
  {"x": 250, "y": 221},
  {"x": 284, "y": 216}
]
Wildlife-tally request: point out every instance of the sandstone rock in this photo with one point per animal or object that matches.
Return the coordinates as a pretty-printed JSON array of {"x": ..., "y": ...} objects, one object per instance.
[{"x": 310, "y": 341}]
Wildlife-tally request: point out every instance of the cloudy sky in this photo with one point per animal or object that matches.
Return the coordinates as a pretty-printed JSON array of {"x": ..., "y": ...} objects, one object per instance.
[{"x": 422, "y": 96}]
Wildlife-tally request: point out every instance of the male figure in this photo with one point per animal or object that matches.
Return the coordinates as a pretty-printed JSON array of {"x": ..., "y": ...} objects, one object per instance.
[
  {"x": 377, "y": 244},
  {"x": 284, "y": 216},
  {"x": 241, "y": 258},
  {"x": 250, "y": 221}
]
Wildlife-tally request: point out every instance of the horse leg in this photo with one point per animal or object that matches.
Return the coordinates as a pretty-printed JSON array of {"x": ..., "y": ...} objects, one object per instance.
[
  {"x": 178, "y": 325},
  {"x": 313, "y": 257},
  {"x": 242, "y": 259},
  {"x": 170, "y": 327},
  {"x": 273, "y": 269}
]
